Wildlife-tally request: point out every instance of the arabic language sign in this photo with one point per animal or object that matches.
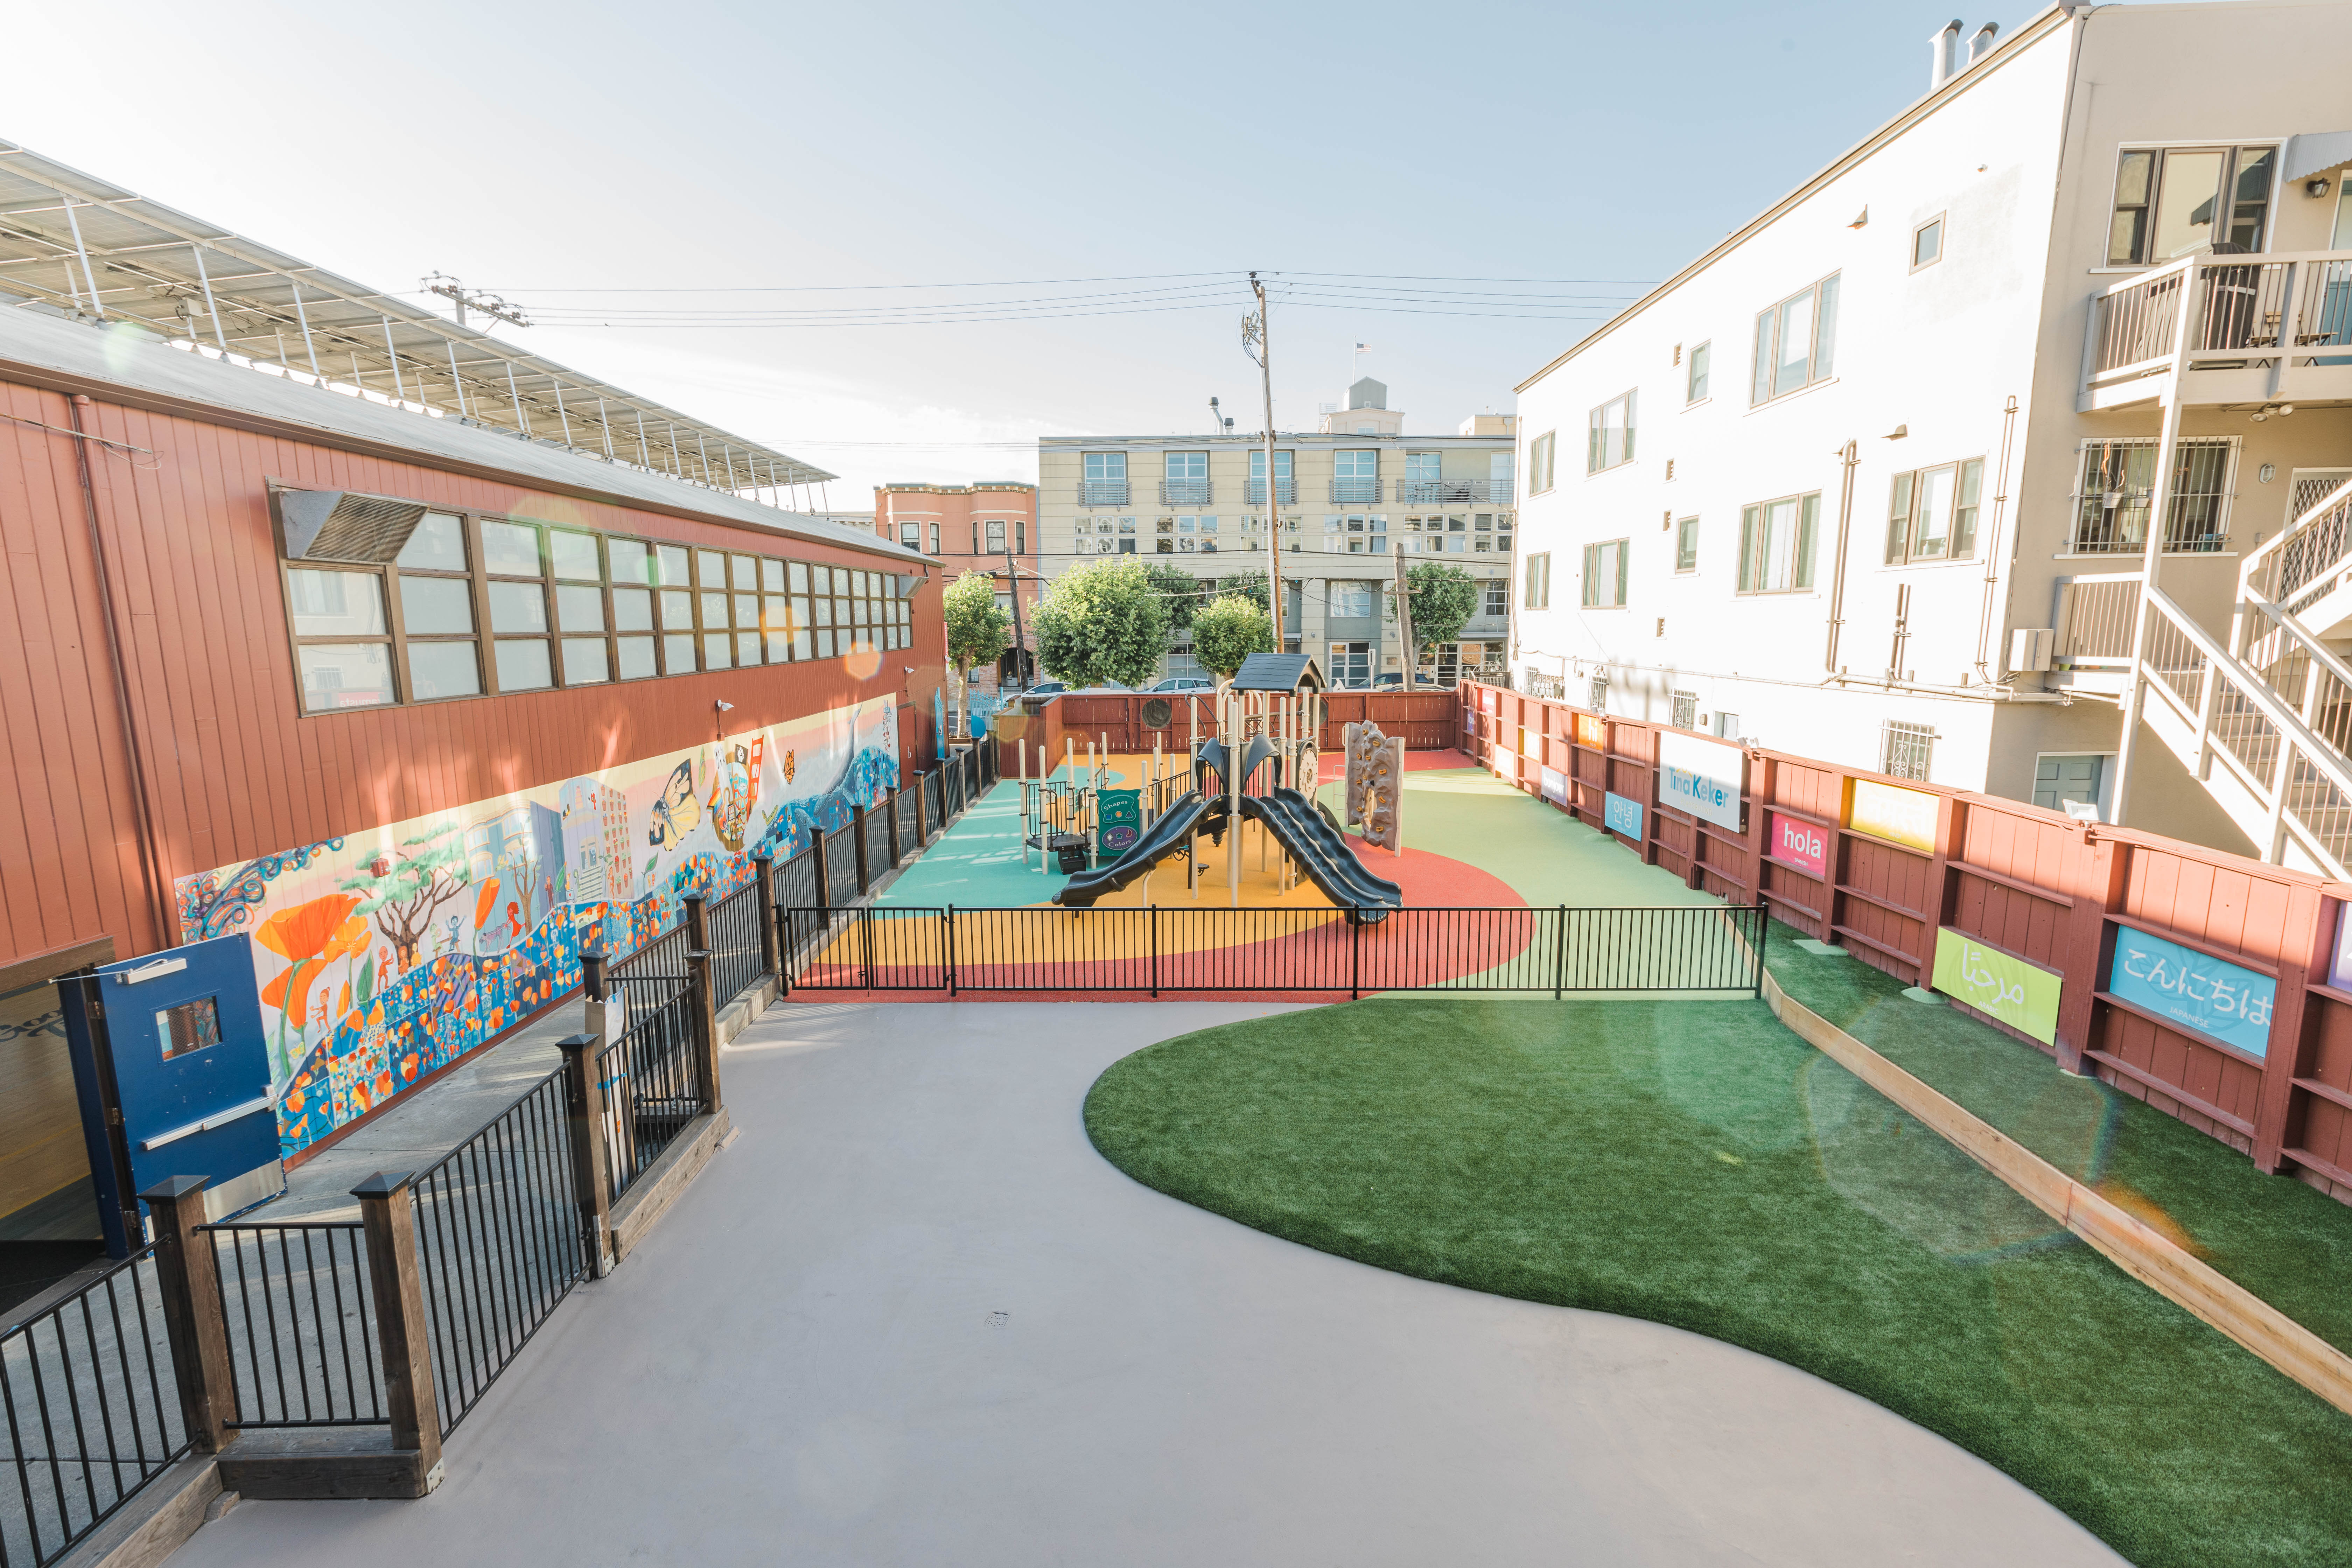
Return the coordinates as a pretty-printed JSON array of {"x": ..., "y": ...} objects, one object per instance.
[
  {"x": 1701, "y": 777},
  {"x": 1994, "y": 984},
  {"x": 1799, "y": 844},
  {"x": 2219, "y": 1000},
  {"x": 1905, "y": 817},
  {"x": 1622, "y": 816}
]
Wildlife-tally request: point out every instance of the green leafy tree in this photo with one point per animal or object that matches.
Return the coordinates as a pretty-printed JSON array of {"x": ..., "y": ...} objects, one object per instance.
[
  {"x": 978, "y": 631},
  {"x": 1442, "y": 598},
  {"x": 1179, "y": 588},
  {"x": 1102, "y": 622},
  {"x": 1227, "y": 630},
  {"x": 1250, "y": 585}
]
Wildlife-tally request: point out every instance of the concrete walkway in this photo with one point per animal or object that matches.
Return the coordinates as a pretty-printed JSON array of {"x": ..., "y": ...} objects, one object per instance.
[{"x": 911, "y": 1317}]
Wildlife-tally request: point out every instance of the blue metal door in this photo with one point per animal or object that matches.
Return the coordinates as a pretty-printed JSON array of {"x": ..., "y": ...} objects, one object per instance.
[{"x": 174, "y": 1067}]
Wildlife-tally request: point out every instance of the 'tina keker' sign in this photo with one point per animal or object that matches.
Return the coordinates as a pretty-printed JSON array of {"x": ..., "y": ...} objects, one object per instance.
[{"x": 1701, "y": 777}]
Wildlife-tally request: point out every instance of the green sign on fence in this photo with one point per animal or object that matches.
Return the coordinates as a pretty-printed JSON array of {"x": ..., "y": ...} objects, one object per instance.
[{"x": 1998, "y": 986}]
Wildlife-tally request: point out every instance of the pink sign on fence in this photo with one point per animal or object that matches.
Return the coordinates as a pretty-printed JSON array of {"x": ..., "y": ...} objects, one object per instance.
[{"x": 1802, "y": 844}]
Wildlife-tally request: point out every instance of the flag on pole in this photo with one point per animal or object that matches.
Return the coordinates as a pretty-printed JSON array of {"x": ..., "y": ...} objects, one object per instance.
[{"x": 1363, "y": 348}]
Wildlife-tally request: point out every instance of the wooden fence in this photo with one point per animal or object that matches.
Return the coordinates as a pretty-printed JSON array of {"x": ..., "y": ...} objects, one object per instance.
[
  {"x": 1885, "y": 867},
  {"x": 1133, "y": 720}
]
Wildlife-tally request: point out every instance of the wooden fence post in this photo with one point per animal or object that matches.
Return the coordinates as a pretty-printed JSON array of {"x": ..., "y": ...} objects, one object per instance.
[
  {"x": 591, "y": 989},
  {"x": 763, "y": 877},
  {"x": 191, "y": 1311},
  {"x": 2303, "y": 959},
  {"x": 706, "y": 1028},
  {"x": 824, "y": 872},
  {"x": 697, "y": 923},
  {"x": 857, "y": 840},
  {"x": 890, "y": 822},
  {"x": 388, "y": 1216},
  {"x": 2108, "y": 865},
  {"x": 583, "y": 1109}
]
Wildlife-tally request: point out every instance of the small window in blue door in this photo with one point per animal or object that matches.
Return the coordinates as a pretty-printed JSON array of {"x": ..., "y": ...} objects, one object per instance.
[{"x": 189, "y": 1027}]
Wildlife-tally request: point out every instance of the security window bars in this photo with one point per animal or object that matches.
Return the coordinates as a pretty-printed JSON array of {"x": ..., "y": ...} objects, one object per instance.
[
  {"x": 1685, "y": 709},
  {"x": 1536, "y": 583},
  {"x": 2117, "y": 486},
  {"x": 1286, "y": 485},
  {"x": 1795, "y": 342},
  {"x": 1604, "y": 573},
  {"x": 1932, "y": 513},
  {"x": 1540, "y": 462},
  {"x": 1184, "y": 478},
  {"x": 2173, "y": 201},
  {"x": 476, "y": 606},
  {"x": 1906, "y": 750},
  {"x": 1608, "y": 439},
  {"x": 1776, "y": 544},
  {"x": 1694, "y": 383},
  {"x": 1356, "y": 477}
]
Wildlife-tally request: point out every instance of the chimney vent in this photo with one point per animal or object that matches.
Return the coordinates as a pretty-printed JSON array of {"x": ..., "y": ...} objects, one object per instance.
[
  {"x": 1945, "y": 49},
  {"x": 1981, "y": 45}
]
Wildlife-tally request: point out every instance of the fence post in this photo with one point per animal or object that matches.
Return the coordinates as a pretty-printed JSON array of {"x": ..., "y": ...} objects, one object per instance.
[
  {"x": 824, "y": 871},
  {"x": 890, "y": 821},
  {"x": 1356, "y": 955},
  {"x": 1151, "y": 917},
  {"x": 763, "y": 877},
  {"x": 583, "y": 1109},
  {"x": 857, "y": 838},
  {"x": 190, "y": 1287},
  {"x": 592, "y": 988},
  {"x": 705, "y": 1027},
  {"x": 1763, "y": 935},
  {"x": 951, "y": 950},
  {"x": 697, "y": 923},
  {"x": 388, "y": 1215},
  {"x": 1560, "y": 955}
]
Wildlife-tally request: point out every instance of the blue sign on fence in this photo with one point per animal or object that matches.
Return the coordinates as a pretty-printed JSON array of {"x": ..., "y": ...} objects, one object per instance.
[
  {"x": 2216, "y": 999},
  {"x": 1622, "y": 816}
]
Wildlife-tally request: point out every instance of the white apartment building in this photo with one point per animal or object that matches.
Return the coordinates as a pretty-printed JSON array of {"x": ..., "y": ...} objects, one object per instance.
[
  {"x": 1350, "y": 498},
  {"x": 1872, "y": 478}
]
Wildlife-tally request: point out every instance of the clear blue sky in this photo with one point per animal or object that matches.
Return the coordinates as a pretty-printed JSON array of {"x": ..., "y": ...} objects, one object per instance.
[{"x": 576, "y": 157}]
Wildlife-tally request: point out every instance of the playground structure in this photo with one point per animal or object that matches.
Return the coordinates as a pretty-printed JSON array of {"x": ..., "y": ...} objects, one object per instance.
[{"x": 1262, "y": 744}]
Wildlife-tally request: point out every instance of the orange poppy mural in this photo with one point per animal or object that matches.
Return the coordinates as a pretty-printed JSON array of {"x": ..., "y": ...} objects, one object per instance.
[{"x": 309, "y": 936}]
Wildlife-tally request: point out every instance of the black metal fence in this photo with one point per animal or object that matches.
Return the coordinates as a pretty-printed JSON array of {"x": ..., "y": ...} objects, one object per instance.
[
  {"x": 302, "y": 1323},
  {"x": 840, "y": 866},
  {"x": 655, "y": 973},
  {"x": 650, "y": 1087},
  {"x": 92, "y": 1411},
  {"x": 1559, "y": 951},
  {"x": 737, "y": 960},
  {"x": 498, "y": 1242}
]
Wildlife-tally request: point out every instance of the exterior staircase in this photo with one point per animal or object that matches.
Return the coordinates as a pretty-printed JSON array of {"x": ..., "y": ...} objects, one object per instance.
[{"x": 2264, "y": 718}]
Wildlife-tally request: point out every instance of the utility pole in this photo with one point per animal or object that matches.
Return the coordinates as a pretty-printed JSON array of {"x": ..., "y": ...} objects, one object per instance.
[
  {"x": 490, "y": 305},
  {"x": 1020, "y": 638},
  {"x": 1404, "y": 617},
  {"x": 1254, "y": 330}
]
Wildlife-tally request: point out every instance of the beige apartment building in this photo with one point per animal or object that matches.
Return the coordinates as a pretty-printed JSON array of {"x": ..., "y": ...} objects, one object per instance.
[{"x": 1348, "y": 498}]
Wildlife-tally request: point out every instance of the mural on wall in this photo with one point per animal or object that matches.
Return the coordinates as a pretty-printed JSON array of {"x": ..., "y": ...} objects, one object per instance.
[{"x": 390, "y": 952}]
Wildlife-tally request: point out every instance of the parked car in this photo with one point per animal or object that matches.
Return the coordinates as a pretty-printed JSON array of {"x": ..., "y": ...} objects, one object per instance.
[
  {"x": 1183, "y": 683},
  {"x": 1047, "y": 689}
]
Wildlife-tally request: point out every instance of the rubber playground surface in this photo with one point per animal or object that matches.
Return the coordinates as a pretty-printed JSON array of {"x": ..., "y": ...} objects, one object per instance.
[{"x": 1473, "y": 844}]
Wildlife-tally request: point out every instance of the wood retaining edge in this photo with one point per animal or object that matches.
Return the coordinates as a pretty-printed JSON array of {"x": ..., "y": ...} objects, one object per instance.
[
  {"x": 670, "y": 1175},
  {"x": 155, "y": 1524},
  {"x": 2130, "y": 1244}
]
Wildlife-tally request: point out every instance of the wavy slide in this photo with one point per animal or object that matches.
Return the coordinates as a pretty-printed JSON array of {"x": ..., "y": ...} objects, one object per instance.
[
  {"x": 1167, "y": 836},
  {"x": 1324, "y": 855}
]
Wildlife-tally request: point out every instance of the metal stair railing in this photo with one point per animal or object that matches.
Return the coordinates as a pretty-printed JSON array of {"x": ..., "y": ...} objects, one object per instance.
[
  {"x": 2266, "y": 740},
  {"x": 2308, "y": 560}
]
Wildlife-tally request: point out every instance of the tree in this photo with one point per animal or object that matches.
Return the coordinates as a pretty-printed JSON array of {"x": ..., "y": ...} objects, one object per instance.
[
  {"x": 403, "y": 890},
  {"x": 1101, "y": 622},
  {"x": 1229, "y": 629},
  {"x": 1179, "y": 588},
  {"x": 1250, "y": 585},
  {"x": 976, "y": 631},
  {"x": 1443, "y": 599}
]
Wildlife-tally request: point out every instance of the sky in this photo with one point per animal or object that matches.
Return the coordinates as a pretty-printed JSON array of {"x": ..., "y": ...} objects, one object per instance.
[{"x": 987, "y": 223}]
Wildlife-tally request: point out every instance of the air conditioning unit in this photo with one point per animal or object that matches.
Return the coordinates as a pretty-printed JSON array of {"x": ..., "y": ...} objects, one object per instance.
[{"x": 2031, "y": 647}]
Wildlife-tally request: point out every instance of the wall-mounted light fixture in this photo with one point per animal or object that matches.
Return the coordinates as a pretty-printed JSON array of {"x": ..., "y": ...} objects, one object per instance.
[
  {"x": 2316, "y": 188},
  {"x": 1897, "y": 434}
]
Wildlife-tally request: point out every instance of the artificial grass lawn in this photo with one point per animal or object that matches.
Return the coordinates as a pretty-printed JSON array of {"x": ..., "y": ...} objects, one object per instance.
[
  {"x": 2283, "y": 1241},
  {"x": 1698, "y": 1164}
]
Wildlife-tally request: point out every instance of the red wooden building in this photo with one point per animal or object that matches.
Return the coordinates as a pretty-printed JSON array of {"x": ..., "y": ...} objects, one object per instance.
[{"x": 413, "y": 700}]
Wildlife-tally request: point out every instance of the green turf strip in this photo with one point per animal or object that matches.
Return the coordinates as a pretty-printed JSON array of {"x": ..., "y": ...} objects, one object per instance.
[
  {"x": 1701, "y": 1166},
  {"x": 2283, "y": 1241}
]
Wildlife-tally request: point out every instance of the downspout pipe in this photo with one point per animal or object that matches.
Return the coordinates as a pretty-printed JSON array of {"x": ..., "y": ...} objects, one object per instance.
[
  {"x": 1851, "y": 456},
  {"x": 1992, "y": 553},
  {"x": 151, "y": 863}
]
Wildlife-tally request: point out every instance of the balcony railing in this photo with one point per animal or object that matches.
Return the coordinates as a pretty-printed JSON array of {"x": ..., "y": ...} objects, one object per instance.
[
  {"x": 2285, "y": 313},
  {"x": 1454, "y": 492},
  {"x": 2095, "y": 617},
  {"x": 1355, "y": 492},
  {"x": 1103, "y": 492},
  {"x": 1184, "y": 492},
  {"x": 1286, "y": 492}
]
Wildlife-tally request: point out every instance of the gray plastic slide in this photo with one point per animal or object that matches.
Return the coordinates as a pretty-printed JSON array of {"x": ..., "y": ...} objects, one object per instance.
[
  {"x": 1167, "y": 836},
  {"x": 1318, "y": 822},
  {"x": 1343, "y": 880}
]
